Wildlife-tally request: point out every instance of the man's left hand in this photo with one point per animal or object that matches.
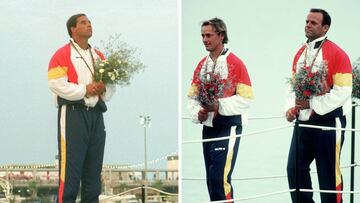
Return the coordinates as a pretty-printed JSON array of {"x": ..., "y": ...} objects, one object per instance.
[
  {"x": 302, "y": 104},
  {"x": 100, "y": 87},
  {"x": 212, "y": 108}
]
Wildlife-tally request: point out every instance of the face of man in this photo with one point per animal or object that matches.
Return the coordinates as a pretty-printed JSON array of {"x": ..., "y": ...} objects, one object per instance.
[
  {"x": 83, "y": 28},
  {"x": 211, "y": 39},
  {"x": 314, "y": 28}
]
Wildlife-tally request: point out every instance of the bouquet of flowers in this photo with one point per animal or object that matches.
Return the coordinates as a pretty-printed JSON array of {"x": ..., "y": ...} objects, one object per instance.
[
  {"x": 120, "y": 65},
  {"x": 356, "y": 79},
  {"x": 211, "y": 88},
  {"x": 307, "y": 83}
]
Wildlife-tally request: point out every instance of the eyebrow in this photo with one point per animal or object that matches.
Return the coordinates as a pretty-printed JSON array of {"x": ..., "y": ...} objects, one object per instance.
[{"x": 85, "y": 20}]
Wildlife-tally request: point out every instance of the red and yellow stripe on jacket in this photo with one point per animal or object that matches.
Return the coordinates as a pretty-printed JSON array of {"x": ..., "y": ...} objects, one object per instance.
[
  {"x": 61, "y": 66},
  {"x": 63, "y": 76}
]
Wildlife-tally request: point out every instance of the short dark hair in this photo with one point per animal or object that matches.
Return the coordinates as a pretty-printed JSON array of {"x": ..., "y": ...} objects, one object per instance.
[
  {"x": 326, "y": 16},
  {"x": 219, "y": 26},
  {"x": 71, "y": 22}
]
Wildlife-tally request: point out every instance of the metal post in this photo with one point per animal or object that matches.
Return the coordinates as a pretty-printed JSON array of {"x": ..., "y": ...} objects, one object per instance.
[
  {"x": 145, "y": 165},
  {"x": 352, "y": 169},
  {"x": 145, "y": 154},
  {"x": 145, "y": 122},
  {"x": 297, "y": 163},
  {"x": 143, "y": 194}
]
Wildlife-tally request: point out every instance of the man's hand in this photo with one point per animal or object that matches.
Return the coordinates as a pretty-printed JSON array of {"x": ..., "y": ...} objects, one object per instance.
[
  {"x": 202, "y": 115},
  {"x": 302, "y": 104},
  {"x": 211, "y": 108},
  {"x": 291, "y": 114},
  {"x": 95, "y": 88},
  {"x": 100, "y": 87}
]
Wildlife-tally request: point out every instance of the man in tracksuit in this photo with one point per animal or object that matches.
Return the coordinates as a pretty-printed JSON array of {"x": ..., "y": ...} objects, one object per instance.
[
  {"x": 327, "y": 109},
  {"x": 225, "y": 116},
  {"x": 81, "y": 103}
]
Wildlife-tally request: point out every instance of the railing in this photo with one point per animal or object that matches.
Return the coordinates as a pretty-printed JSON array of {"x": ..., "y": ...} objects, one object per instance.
[{"x": 296, "y": 125}]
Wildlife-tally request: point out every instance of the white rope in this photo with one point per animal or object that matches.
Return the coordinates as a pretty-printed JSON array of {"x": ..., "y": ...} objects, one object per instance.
[
  {"x": 250, "y": 118},
  {"x": 162, "y": 192},
  {"x": 265, "y": 117},
  {"x": 121, "y": 193},
  {"x": 254, "y": 197},
  {"x": 154, "y": 161},
  {"x": 330, "y": 191},
  {"x": 138, "y": 188},
  {"x": 284, "y": 191},
  {"x": 327, "y": 128},
  {"x": 241, "y": 135},
  {"x": 263, "y": 177}
]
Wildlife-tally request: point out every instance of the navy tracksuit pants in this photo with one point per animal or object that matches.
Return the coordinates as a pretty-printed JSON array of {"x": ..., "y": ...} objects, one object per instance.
[
  {"x": 324, "y": 146},
  {"x": 220, "y": 158},
  {"x": 81, "y": 138}
]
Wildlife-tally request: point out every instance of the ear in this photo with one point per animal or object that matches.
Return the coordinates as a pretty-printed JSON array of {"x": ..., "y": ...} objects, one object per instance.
[
  {"x": 222, "y": 36},
  {"x": 72, "y": 29},
  {"x": 325, "y": 28}
]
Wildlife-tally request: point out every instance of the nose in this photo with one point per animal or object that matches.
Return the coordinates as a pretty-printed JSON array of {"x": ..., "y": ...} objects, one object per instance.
[{"x": 204, "y": 39}]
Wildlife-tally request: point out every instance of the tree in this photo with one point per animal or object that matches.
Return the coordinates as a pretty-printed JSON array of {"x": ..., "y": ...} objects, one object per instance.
[{"x": 32, "y": 186}]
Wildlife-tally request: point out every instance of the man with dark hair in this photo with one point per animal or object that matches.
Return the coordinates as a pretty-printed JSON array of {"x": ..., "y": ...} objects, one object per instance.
[
  {"x": 71, "y": 22},
  {"x": 81, "y": 103},
  {"x": 327, "y": 109},
  {"x": 326, "y": 17},
  {"x": 225, "y": 114}
]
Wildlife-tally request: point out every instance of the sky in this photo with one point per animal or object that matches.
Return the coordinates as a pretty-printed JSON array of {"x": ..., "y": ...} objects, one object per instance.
[
  {"x": 30, "y": 34},
  {"x": 266, "y": 36}
]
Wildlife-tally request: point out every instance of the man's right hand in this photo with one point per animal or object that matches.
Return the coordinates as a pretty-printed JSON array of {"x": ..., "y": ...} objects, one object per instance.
[
  {"x": 291, "y": 114},
  {"x": 202, "y": 115}
]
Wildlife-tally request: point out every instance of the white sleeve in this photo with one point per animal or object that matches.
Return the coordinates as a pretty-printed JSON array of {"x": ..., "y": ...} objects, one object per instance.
[
  {"x": 194, "y": 108},
  {"x": 328, "y": 102},
  {"x": 91, "y": 101},
  {"x": 234, "y": 105},
  {"x": 290, "y": 99},
  {"x": 67, "y": 90},
  {"x": 110, "y": 90}
]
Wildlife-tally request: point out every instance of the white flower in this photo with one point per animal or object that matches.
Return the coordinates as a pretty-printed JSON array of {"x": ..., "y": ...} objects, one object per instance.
[
  {"x": 101, "y": 64},
  {"x": 101, "y": 70},
  {"x": 116, "y": 72},
  {"x": 119, "y": 61},
  {"x": 112, "y": 76}
]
